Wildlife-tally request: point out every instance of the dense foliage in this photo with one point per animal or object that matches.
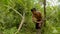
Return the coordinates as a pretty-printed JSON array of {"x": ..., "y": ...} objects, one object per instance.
[{"x": 9, "y": 18}]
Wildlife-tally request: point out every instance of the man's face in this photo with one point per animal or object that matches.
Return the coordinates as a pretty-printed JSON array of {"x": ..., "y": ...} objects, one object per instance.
[{"x": 33, "y": 11}]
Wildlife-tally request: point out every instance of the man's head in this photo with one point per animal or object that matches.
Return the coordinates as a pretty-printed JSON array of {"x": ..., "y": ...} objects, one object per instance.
[{"x": 33, "y": 10}]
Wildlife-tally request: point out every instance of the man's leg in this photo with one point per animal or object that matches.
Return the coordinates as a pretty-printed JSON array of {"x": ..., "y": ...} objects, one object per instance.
[
  {"x": 38, "y": 31},
  {"x": 38, "y": 28}
]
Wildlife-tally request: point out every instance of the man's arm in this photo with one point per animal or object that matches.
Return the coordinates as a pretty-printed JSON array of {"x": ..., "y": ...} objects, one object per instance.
[{"x": 34, "y": 19}]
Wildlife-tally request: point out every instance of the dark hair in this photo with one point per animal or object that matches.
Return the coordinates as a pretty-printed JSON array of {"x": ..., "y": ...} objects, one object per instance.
[{"x": 34, "y": 9}]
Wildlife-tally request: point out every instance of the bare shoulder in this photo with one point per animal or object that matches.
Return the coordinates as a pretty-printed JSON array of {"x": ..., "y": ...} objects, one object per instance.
[{"x": 38, "y": 12}]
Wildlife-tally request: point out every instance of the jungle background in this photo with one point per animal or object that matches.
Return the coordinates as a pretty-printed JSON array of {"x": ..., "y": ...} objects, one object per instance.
[{"x": 11, "y": 11}]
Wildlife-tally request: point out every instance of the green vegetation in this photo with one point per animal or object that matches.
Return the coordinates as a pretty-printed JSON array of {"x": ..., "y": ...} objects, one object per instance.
[{"x": 10, "y": 17}]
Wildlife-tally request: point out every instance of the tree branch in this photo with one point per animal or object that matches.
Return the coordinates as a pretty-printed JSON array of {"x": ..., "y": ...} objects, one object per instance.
[
  {"x": 20, "y": 26},
  {"x": 14, "y": 10},
  {"x": 23, "y": 18}
]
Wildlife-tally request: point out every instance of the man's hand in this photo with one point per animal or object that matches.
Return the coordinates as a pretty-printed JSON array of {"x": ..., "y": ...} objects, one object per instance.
[{"x": 34, "y": 20}]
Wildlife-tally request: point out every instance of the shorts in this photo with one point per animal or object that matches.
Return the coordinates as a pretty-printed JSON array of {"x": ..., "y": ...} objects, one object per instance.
[{"x": 37, "y": 26}]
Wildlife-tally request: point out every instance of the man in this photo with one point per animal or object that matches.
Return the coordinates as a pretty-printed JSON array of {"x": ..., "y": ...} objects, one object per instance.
[{"x": 37, "y": 17}]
